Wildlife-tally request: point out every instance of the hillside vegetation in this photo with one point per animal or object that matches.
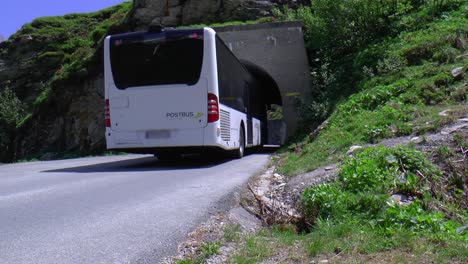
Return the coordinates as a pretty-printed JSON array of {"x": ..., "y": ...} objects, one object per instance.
[
  {"x": 382, "y": 69},
  {"x": 43, "y": 59},
  {"x": 398, "y": 72}
]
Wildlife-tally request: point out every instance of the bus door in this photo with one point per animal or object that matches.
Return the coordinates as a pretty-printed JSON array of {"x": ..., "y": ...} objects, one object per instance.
[{"x": 248, "y": 109}]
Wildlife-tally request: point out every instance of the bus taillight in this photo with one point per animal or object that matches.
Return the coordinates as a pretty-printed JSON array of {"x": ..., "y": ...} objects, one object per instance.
[
  {"x": 107, "y": 114},
  {"x": 213, "y": 108}
]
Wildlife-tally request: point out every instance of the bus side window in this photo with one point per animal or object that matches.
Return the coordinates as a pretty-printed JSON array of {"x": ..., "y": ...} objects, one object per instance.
[{"x": 231, "y": 78}]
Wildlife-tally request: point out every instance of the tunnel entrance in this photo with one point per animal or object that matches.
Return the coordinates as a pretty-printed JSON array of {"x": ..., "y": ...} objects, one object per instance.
[
  {"x": 276, "y": 54},
  {"x": 274, "y": 132},
  {"x": 268, "y": 85}
]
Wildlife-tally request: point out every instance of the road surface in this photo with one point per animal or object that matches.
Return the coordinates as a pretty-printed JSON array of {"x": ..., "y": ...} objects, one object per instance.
[{"x": 119, "y": 209}]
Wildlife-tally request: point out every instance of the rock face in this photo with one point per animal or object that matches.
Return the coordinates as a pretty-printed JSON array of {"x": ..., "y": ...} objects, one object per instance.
[
  {"x": 73, "y": 121},
  {"x": 53, "y": 65},
  {"x": 23, "y": 69},
  {"x": 187, "y": 12}
]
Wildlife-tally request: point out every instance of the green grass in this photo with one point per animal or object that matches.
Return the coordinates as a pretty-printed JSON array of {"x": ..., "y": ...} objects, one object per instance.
[
  {"x": 459, "y": 141},
  {"x": 232, "y": 23},
  {"x": 364, "y": 186},
  {"x": 207, "y": 249},
  {"x": 353, "y": 240},
  {"x": 354, "y": 220},
  {"x": 68, "y": 46},
  {"x": 210, "y": 248},
  {"x": 406, "y": 83},
  {"x": 254, "y": 250},
  {"x": 411, "y": 82},
  {"x": 231, "y": 233},
  {"x": 184, "y": 262},
  {"x": 398, "y": 85},
  {"x": 349, "y": 242}
]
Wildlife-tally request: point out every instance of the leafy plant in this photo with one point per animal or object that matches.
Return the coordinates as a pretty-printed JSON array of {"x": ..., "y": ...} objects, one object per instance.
[
  {"x": 11, "y": 114},
  {"x": 185, "y": 261},
  {"x": 232, "y": 233},
  {"x": 210, "y": 248},
  {"x": 363, "y": 191},
  {"x": 444, "y": 152},
  {"x": 11, "y": 108}
]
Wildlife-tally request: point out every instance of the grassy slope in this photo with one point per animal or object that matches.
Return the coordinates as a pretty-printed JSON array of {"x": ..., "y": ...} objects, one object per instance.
[
  {"x": 353, "y": 219},
  {"x": 78, "y": 38},
  {"x": 51, "y": 53},
  {"x": 412, "y": 83},
  {"x": 63, "y": 44}
]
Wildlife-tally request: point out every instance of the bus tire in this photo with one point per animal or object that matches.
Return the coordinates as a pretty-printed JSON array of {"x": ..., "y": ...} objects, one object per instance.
[{"x": 239, "y": 153}]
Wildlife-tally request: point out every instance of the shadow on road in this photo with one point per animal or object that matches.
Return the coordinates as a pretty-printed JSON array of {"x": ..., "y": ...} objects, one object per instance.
[{"x": 145, "y": 164}]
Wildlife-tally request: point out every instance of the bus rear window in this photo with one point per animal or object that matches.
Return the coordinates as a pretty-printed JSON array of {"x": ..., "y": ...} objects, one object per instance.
[{"x": 156, "y": 59}]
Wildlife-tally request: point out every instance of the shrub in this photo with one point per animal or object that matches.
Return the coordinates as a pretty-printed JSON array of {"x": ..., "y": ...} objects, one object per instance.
[
  {"x": 342, "y": 27},
  {"x": 11, "y": 108},
  {"x": 373, "y": 98},
  {"x": 11, "y": 114},
  {"x": 365, "y": 184},
  {"x": 98, "y": 34},
  {"x": 386, "y": 170}
]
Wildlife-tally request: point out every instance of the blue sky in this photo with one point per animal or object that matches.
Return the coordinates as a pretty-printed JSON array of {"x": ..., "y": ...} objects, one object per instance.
[{"x": 15, "y": 13}]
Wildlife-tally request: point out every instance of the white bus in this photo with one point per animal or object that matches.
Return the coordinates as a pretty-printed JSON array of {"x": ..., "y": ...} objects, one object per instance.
[{"x": 176, "y": 91}]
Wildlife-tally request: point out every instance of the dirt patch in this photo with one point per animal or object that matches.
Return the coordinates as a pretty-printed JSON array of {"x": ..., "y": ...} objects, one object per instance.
[
  {"x": 235, "y": 223},
  {"x": 275, "y": 198}
]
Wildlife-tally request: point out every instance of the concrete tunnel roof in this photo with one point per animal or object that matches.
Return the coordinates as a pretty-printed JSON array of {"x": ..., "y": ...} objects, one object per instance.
[{"x": 268, "y": 85}]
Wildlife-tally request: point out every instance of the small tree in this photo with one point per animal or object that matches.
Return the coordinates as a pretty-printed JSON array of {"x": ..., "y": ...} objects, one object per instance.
[{"x": 11, "y": 113}]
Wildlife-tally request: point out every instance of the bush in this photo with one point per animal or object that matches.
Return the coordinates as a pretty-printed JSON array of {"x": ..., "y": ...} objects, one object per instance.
[
  {"x": 98, "y": 34},
  {"x": 341, "y": 27},
  {"x": 365, "y": 184},
  {"x": 373, "y": 98},
  {"x": 11, "y": 108},
  {"x": 387, "y": 170},
  {"x": 11, "y": 114}
]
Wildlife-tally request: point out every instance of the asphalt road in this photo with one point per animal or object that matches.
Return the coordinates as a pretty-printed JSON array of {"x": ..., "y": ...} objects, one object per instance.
[{"x": 119, "y": 209}]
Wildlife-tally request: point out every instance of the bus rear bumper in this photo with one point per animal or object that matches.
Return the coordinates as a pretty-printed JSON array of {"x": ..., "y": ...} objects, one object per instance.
[
  {"x": 185, "y": 150},
  {"x": 183, "y": 141},
  {"x": 154, "y": 138}
]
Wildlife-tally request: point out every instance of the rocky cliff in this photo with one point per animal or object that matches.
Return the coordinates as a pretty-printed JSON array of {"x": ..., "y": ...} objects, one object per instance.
[
  {"x": 54, "y": 67},
  {"x": 72, "y": 122},
  {"x": 187, "y": 12}
]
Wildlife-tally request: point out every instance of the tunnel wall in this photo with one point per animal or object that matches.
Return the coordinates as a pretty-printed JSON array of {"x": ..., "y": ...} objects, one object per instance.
[{"x": 279, "y": 48}]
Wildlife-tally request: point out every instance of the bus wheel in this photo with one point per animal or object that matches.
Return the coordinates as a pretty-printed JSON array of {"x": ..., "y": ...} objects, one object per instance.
[{"x": 241, "y": 150}]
